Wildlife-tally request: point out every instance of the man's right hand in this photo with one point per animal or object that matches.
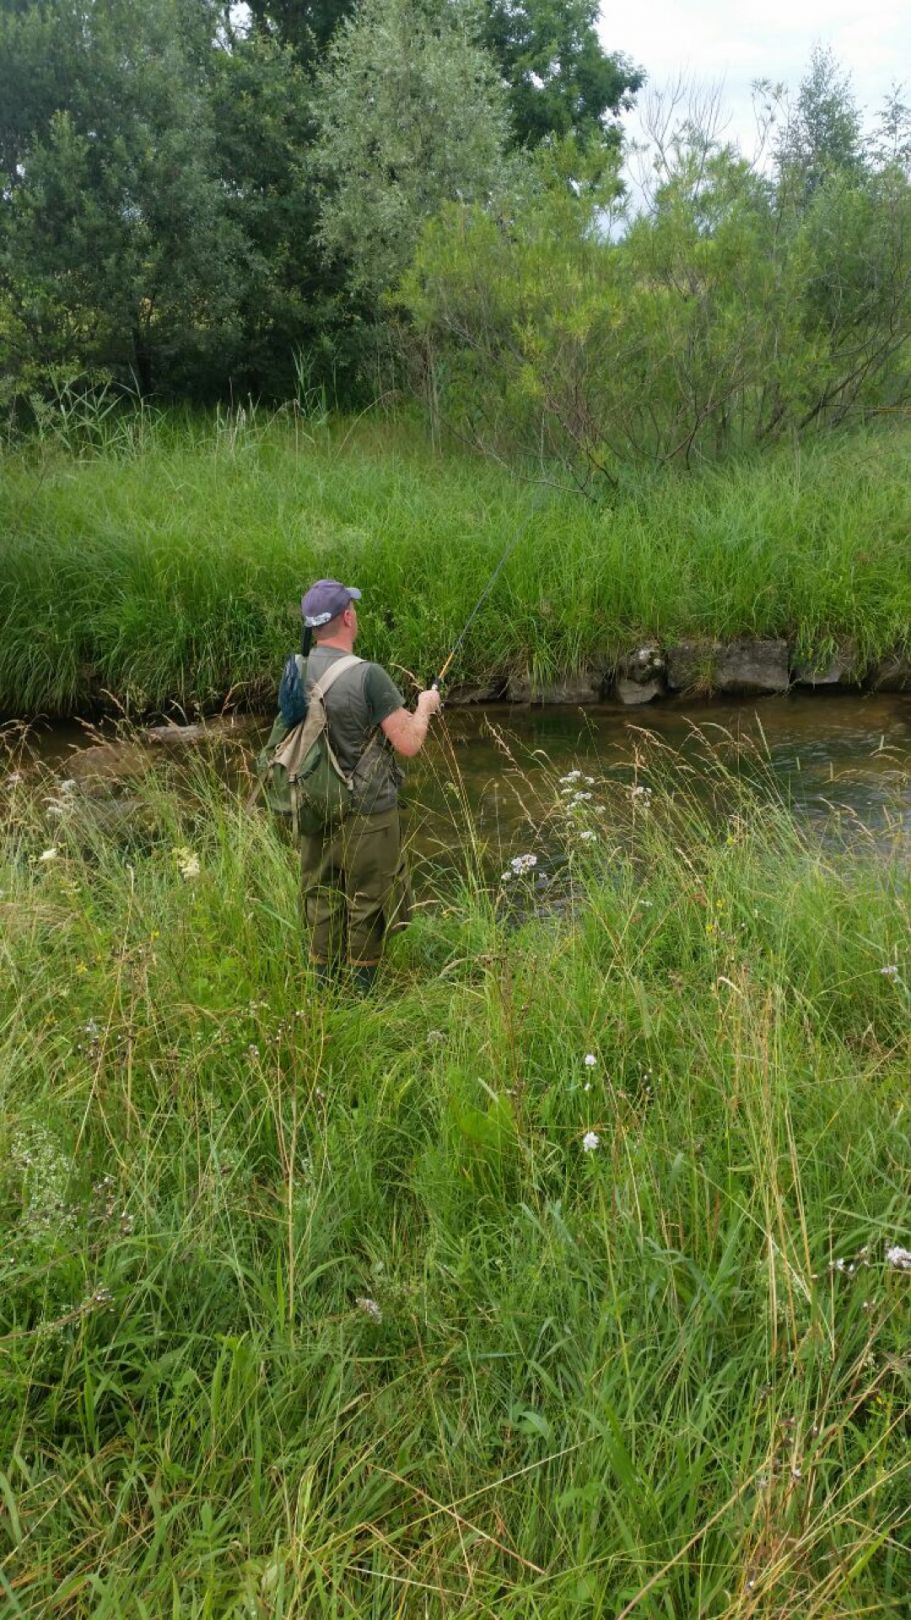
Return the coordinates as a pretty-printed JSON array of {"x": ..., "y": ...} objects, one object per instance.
[
  {"x": 406, "y": 731},
  {"x": 430, "y": 700}
]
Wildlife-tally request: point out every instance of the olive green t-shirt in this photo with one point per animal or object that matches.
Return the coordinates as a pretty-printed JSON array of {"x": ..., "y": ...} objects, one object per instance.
[{"x": 356, "y": 705}]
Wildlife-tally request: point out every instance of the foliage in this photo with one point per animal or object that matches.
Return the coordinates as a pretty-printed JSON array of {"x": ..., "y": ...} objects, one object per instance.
[
  {"x": 306, "y": 25},
  {"x": 116, "y": 249},
  {"x": 718, "y": 318},
  {"x": 561, "y": 80},
  {"x": 410, "y": 116},
  {"x": 160, "y": 204},
  {"x": 295, "y": 301},
  {"x": 308, "y": 1300},
  {"x": 821, "y": 137},
  {"x": 157, "y": 561},
  {"x": 158, "y": 213}
]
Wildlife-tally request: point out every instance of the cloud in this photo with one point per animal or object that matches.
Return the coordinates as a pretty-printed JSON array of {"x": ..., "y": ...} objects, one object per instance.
[{"x": 707, "y": 46}]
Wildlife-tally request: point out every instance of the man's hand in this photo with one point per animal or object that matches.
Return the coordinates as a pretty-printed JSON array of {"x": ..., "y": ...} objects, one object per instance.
[
  {"x": 406, "y": 731},
  {"x": 429, "y": 701}
]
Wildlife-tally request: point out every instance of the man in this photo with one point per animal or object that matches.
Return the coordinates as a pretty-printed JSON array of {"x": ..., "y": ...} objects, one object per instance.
[{"x": 355, "y": 884}]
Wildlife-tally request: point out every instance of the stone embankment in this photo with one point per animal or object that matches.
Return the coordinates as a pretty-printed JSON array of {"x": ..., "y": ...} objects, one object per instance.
[{"x": 745, "y": 667}]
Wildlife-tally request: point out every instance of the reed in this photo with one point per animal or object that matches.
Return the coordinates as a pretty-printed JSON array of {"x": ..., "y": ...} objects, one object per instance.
[
  {"x": 551, "y": 1282},
  {"x": 159, "y": 566}
]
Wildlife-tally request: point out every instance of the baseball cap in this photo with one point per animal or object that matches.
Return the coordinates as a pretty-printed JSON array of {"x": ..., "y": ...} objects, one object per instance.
[{"x": 325, "y": 600}]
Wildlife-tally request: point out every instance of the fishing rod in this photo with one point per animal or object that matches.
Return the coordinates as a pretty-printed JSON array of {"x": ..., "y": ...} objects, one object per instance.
[{"x": 437, "y": 681}]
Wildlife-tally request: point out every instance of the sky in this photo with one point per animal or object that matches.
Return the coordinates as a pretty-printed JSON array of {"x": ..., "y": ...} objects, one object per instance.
[{"x": 718, "y": 43}]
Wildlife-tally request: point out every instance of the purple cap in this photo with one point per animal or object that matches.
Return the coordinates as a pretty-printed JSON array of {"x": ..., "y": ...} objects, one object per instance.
[{"x": 326, "y": 600}]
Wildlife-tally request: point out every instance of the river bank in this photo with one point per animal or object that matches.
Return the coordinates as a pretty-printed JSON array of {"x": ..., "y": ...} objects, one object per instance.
[{"x": 160, "y": 574}]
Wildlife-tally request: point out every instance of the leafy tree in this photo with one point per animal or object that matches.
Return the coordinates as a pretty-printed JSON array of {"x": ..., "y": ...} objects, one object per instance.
[
  {"x": 117, "y": 249},
  {"x": 560, "y": 78},
  {"x": 890, "y": 143},
  {"x": 822, "y": 136},
  {"x": 294, "y": 306},
  {"x": 306, "y": 25},
  {"x": 411, "y": 114},
  {"x": 714, "y": 323}
]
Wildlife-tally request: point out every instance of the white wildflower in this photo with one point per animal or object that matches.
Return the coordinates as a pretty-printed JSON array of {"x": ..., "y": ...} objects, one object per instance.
[
  {"x": 590, "y": 1142},
  {"x": 187, "y": 863},
  {"x": 898, "y": 1257},
  {"x": 523, "y": 863},
  {"x": 587, "y": 834},
  {"x": 49, "y": 854},
  {"x": 579, "y": 798},
  {"x": 570, "y": 777},
  {"x": 369, "y": 1307},
  {"x": 68, "y": 785},
  {"x": 891, "y": 971},
  {"x": 589, "y": 1060}
]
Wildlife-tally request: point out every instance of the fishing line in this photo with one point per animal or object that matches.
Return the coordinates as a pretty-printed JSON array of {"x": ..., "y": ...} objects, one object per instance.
[{"x": 438, "y": 679}]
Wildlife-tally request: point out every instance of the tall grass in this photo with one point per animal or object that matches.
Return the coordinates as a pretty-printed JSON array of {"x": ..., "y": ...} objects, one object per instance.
[
  {"x": 163, "y": 566},
  {"x": 322, "y": 1308}
]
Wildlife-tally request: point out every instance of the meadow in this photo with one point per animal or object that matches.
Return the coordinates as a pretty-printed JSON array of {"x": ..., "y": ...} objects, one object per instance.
[
  {"x": 154, "y": 562},
  {"x": 565, "y": 1277}
]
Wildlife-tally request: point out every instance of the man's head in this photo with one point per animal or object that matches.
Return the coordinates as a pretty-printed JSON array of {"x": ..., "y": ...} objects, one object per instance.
[{"x": 328, "y": 611}]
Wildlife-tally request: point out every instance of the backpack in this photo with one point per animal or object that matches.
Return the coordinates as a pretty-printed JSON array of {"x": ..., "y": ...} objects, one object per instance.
[{"x": 299, "y": 772}]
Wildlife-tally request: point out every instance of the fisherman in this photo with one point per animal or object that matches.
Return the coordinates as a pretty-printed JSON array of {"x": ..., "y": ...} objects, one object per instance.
[{"x": 354, "y": 876}]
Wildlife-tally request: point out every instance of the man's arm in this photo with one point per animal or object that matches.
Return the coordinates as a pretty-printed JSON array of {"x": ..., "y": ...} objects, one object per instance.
[{"x": 406, "y": 731}]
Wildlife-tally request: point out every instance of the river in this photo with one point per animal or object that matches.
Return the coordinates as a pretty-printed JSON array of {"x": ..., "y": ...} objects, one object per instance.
[{"x": 843, "y": 761}]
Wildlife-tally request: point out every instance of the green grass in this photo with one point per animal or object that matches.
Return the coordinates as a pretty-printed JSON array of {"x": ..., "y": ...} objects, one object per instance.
[
  {"x": 162, "y": 565},
  {"x": 625, "y": 1381}
]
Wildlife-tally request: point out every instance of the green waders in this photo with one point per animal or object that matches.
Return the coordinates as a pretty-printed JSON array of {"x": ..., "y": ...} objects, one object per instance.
[{"x": 355, "y": 889}]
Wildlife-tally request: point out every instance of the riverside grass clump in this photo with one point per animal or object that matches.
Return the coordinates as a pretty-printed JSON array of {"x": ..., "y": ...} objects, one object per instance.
[
  {"x": 559, "y": 1279},
  {"x": 157, "y": 562}
]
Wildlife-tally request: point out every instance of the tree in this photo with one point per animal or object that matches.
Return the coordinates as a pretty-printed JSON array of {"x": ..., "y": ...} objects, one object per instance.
[
  {"x": 117, "y": 248},
  {"x": 294, "y": 306},
  {"x": 305, "y": 25},
  {"x": 822, "y": 136},
  {"x": 411, "y": 115},
  {"x": 561, "y": 80}
]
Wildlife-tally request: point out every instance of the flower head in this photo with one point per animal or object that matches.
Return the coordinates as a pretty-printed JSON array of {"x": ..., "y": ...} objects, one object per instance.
[
  {"x": 49, "y": 854},
  {"x": 898, "y": 1257},
  {"x": 590, "y": 1142},
  {"x": 369, "y": 1307},
  {"x": 187, "y": 863},
  {"x": 523, "y": 863},
  {"x": 589, "y": 1060}
]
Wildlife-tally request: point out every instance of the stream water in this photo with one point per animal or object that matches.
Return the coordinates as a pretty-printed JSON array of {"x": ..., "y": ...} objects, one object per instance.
[{"x": 842, "y": 760}]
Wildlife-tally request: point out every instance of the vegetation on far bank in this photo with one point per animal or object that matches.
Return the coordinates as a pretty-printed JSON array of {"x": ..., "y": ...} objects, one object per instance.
[
  {"x": 467, "y": 1299},
  {"x": 157, "y": 561}
]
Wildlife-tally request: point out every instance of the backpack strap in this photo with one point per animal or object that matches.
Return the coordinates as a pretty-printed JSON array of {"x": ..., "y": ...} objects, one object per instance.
[
  {"x": 334, "y": 671},
  {"x": 322, "y": 687}
]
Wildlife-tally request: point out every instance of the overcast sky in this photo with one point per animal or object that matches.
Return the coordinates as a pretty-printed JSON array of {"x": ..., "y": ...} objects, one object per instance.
[{"x": 717, "y": 42}]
